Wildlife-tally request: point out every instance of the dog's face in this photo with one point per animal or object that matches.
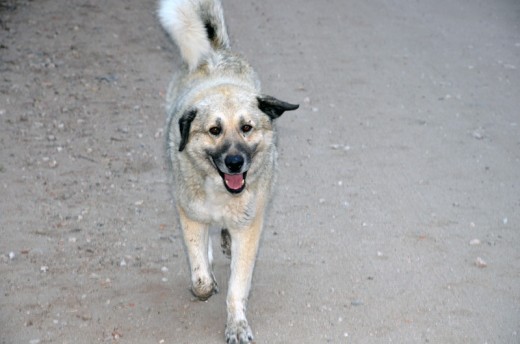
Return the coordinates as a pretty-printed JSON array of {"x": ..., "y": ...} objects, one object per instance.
[{"x": 228, "y": 132}]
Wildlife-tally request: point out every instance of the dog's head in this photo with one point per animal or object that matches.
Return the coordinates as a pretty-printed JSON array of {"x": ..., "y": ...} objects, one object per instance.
[{"x": 227, "y": 131}]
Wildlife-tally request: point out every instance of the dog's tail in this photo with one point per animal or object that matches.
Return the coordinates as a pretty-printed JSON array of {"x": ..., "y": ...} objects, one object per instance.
[{"x": 196, "y": 26}]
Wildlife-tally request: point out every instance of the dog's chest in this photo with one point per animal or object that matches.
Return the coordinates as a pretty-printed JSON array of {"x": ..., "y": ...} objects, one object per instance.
[{"x": 220, "y": 208}]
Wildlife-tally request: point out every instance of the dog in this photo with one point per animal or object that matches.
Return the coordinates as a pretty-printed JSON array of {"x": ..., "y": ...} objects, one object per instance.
[{"x": 220, "y": 142}]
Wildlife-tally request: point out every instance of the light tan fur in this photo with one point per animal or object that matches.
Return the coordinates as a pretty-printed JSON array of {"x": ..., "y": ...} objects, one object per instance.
[{"x": 221, "y": 146}]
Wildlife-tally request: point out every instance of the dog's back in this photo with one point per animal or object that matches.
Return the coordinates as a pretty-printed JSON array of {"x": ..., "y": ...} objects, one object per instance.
[{"x": 197, "y": 27}]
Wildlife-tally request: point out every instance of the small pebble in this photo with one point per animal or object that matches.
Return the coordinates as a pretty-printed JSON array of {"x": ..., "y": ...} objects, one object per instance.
[
  {"x": 474, "y": 242},
  {"x": 164, "y": 269},
  {"x": 44, "y": 268},
  {"x": 123, "y": 263},
  {"x": 477, "y": 135},
  {"x": 479, "y": 262},
  {"x": 11, "y": 255},
  {"x": 340, "y": 147}
]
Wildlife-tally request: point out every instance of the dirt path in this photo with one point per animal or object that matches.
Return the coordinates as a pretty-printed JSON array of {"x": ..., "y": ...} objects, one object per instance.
[{"x": 399, "y": 172}]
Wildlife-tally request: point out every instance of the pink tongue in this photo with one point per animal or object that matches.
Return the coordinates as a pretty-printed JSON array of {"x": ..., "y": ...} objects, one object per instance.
[{"x": 234, "y": 181}]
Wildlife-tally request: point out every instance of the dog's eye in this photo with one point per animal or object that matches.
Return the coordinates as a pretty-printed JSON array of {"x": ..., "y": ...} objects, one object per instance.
[
  {"x": 215, "y": 131},
  {"x": 246, "y": 128}
]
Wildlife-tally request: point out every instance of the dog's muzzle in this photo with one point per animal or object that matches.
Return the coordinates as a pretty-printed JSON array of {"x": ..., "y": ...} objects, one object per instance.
[{"x": 233, "y": 177}]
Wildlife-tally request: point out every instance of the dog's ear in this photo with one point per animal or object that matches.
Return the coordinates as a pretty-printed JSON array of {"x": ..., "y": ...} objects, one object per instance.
[
  {"x": 273, "y": 107},
  {"x": 184, "y": 127}
]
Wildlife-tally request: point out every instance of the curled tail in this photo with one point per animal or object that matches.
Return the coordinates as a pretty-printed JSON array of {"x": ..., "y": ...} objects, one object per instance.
[{"x": 196, "y": 26}]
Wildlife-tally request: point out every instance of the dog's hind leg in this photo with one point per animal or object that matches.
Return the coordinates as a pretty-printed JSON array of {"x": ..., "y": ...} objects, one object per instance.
[
  {"x": 196, "y": 239},
  {"x": 225, "y": 242}
]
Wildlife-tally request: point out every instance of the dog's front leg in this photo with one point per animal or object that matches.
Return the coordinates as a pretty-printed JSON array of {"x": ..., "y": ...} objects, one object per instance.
[
  {"x": 244, "y": 247},
  {"x": 196, "y": 239}
]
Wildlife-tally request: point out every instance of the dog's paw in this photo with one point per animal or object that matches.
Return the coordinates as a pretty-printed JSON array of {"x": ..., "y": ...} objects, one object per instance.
[
  {"x": 238, "y": 333},
  {"x": 203, "y": 289},
  {"x": 225, "y": 242}
]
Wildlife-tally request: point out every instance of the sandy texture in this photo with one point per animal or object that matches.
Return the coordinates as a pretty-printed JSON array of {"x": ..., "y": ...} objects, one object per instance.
[{"x": 397, "y": 215}]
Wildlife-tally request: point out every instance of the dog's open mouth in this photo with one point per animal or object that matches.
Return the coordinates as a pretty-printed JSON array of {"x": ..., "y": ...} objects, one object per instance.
[{"x": 234, "y": 183}]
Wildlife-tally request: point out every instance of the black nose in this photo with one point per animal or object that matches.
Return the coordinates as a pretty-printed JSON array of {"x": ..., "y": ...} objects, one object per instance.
[{"x": 234, "y": 163}]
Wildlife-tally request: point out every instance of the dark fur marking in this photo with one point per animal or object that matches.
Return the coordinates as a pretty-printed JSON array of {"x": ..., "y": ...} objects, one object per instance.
[
  {"x": 243, "y": 148},
  {"x": 273, "y": 107},
  {"x": 210, "y": 30},
  {"x": 218, "y": 152},
  {"x": 184, "y": 127}
]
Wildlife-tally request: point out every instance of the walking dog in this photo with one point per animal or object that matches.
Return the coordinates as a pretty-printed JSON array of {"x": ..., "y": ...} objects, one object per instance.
[{"x": 221, "y": 148}]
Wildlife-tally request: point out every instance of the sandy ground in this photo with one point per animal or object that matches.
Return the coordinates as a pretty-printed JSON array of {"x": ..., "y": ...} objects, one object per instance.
[{"x": 397, "y": 216}]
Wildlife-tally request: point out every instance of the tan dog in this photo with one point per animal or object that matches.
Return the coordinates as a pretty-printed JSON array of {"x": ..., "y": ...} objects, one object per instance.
[{"x": 221, "y": 145}]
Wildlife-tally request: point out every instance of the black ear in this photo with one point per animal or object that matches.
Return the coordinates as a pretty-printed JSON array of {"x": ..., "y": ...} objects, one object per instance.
[
  {"x": 184, "y": 127},
  {"x": 273, "y": 107}
]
